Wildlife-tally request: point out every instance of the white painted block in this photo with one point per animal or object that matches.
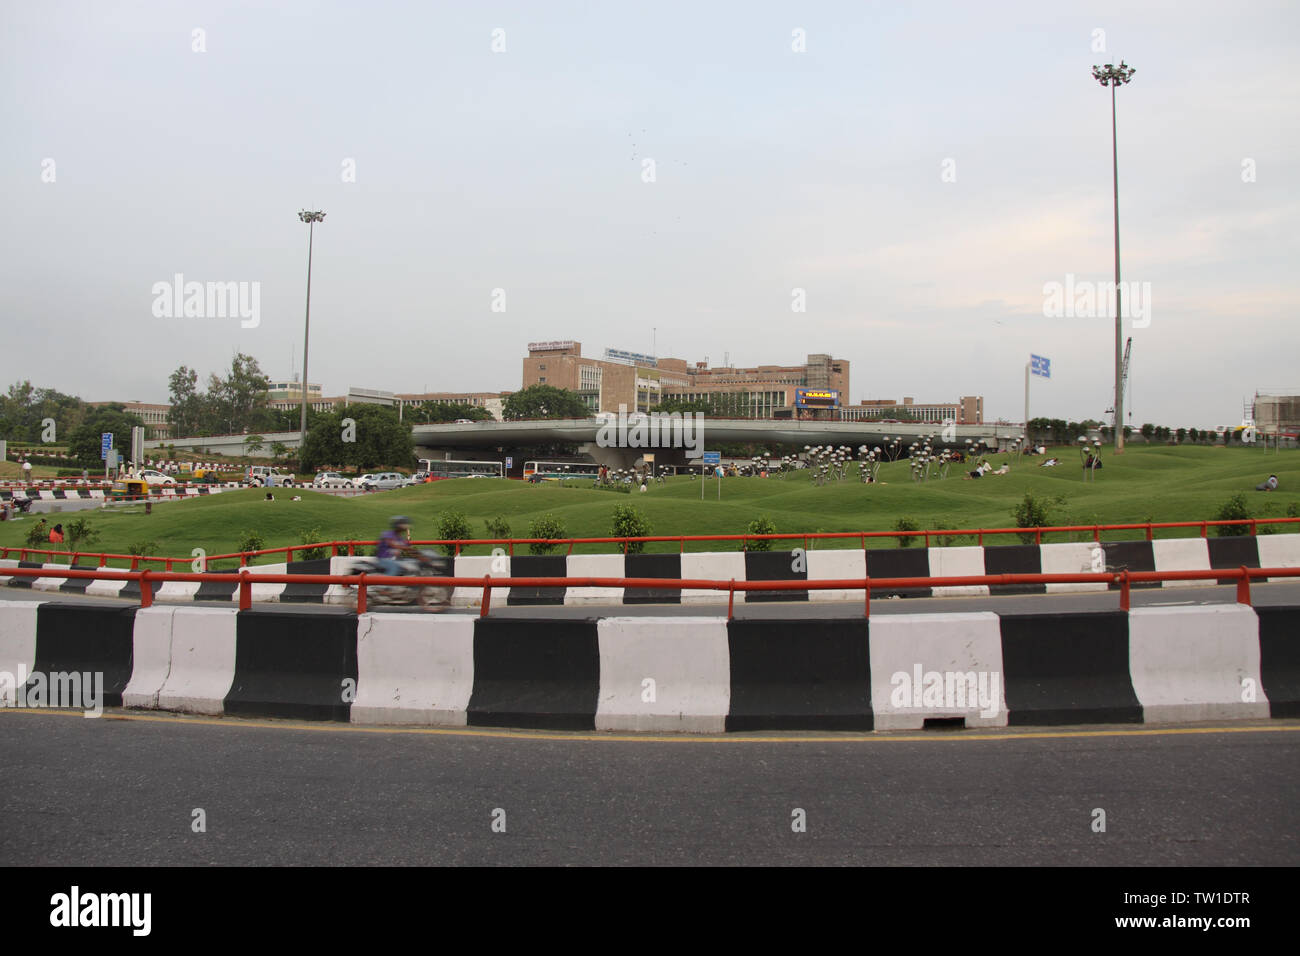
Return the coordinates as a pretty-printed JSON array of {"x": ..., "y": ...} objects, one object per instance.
[
  {"x": 1072, "y": 558},
  {"x": 476, "y": 567},
  {"x": 266, "y": 593},
  {"x": 594, "y": 566},
  {"x": 1279, "y": 551},
  {"x": 837, "y": 565},
  {"x": 712, "y": 566},
  {"x": 1196, "y": 663},
  {"x": 202, "y": 660},
  {"x": 413, "y": 669},
  {"x": 151, "y": 657},
  {"x": 50, "y": 583},
  {"x": 663, "y": 674},
  {"x": 17, "y": 646},
  {"x": 949, "y": 562},
  {"x": 937, "y": 665},
  {"x": 1181, "y": 554}
]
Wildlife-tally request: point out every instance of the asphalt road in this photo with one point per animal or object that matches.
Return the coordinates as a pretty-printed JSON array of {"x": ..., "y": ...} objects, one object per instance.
[
  {"x": 123, "y": 790},
  {"x": 1281, "y": 593}
]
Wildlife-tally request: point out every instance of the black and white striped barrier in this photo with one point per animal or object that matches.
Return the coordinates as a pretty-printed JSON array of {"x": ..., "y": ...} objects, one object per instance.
[
  {"x": 1173, "y": 554},
  {"x": 1150, "y": 665}
]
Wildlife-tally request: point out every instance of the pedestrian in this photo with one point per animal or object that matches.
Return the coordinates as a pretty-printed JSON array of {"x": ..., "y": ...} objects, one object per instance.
[{"x": 27, "y": 470}]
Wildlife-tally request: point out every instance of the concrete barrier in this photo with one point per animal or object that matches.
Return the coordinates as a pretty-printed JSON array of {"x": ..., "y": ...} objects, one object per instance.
[
  {"x": 594, "y": 566},
  {"x": 17, "y": 645},
  {"x": 937, "y": 666},
  {"x": 87, "y": 638},
  {"x": 497, "y": 566},
  {"x": 833, "y": 566},
  {"x": 1196, "y": 663},
  {"x": 535, "y": 673},
  {"x": 1073, "y": 558},
  {"x": 1181, "y": 554},
  {"x": 712, "y": 566},
  {"x": 1014, "y": 559},
  {"x": 203, "y": 652},
  {"x": 663, "y": 674},
  {"x": 957, "y": 562},
  {"x": 1279, "y": 551},
  {"x": 413, "y": 669},
  {"x": 782, "y": 564},
  {"x": 652, "y": 566},
  {"x": 295, "y": 667},
  {"x": 1279, "y": 658},
  {"x": 151, "y": 656}
]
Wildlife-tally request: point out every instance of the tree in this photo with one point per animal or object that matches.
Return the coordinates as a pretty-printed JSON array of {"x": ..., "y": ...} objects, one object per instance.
[
  {"x": 278, "y": 450},
  {"x": 544, "y": 401},
  {"x": 374, "y": 437},
  {"x": 84, "y": 443},
  {"x": 230, "y": 405},
  {"x": 1148, "y": 430},
  {"x": 1181, "y": 434},
  {"x": 433, "y": 413},
  {"x": 253, "y": 444},
  {"x": 25, "y": 413}
]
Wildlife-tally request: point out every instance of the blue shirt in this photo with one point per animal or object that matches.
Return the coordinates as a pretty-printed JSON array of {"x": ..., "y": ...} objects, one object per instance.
[{"x": 390, "y": 545}]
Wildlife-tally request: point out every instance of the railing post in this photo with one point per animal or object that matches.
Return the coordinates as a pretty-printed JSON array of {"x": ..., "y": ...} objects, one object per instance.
[
  {"x": 1148, "y": 530},
  {"x": 487, "y": 596},
  {"x": 146, "y": 589},
  {"x": 245, "y": 591},
  {"x": 1124, "y": 594},
  {"x": 981, "y": 538},
  {"x": 361, "y": 594},
  {"x": 866, "y": 610},
  {"x": 1038, "y": 536},
  {"x": 1096, "y": 533},
  {"x": 1243, "y": 586},
  {"x": 731, "y": 598}
]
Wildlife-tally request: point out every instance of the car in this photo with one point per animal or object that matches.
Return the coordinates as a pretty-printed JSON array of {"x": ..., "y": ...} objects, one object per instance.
[
  {"x": 153, "y": 477},
  {"x": 268, "y": 475},
  {"x": 382, "y": 481},
  {"x": 464, "y": 421},
  {"x": 331, "y": 479}
]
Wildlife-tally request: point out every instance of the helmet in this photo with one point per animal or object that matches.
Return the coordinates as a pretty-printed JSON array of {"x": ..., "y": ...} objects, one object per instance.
[{"x": 401, "y": 521}]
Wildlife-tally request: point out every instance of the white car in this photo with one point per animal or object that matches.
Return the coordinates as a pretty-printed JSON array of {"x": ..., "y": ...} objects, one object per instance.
[
  {"x": 259, "y": 475},
  {"x": 332, "y": 479},
  {"x": 152, "y": 478},
  {"x": 382, "y": 481}
]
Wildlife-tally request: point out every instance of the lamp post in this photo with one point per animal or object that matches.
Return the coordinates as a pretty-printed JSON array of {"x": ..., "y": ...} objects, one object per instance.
[
  {"x": 1113, "y": 76},
  {"x": 311, "y": 218}
]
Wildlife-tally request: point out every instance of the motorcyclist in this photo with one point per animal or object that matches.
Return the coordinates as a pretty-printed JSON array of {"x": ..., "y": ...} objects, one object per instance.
[{"x": 394, "y": 544}]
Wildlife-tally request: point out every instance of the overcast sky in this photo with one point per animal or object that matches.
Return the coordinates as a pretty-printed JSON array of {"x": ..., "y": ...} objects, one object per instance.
[{"x": 920, "y": 171}]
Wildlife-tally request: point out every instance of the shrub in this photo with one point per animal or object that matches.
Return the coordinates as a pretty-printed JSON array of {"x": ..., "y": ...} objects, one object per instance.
[
  {"x": 545, "y": 526},
  {"x": 38, "y": 536},
  {"x": 250, "y": 540},
  {"x": 311, "y": 536},
  {"x": 1234, "y": 509},
  {"x": 1294, "y": 510},
  {"x": 906, "y": 523},
  {"x": 760, "y": 525},
  {"x": 142, "y": 548},
  {"x": 630, "y": 523},
  {"x": 498, "y": 527},
  {"x": 453, "y": 526},
  {"x": 1034, "y": 512},
  {"x": 78, "y": 532}
]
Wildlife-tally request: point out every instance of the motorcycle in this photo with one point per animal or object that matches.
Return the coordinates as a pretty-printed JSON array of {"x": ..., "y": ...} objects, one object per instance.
[
  {"x": 428, "y": 564},
  {"x": 23, "y": 504}
]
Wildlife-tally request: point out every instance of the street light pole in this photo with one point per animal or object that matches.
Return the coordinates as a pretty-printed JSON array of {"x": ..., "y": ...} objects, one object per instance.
[
  {"x": 1113, "y": 76},
  {"x": 311, "y": 218}
]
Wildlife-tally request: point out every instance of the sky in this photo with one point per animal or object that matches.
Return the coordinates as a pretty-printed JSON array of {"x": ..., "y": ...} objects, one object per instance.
[{"x": 894, "y": 184}]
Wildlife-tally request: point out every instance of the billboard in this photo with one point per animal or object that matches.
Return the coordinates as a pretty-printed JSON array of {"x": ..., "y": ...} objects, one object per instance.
[
  {"x": 817, "y": 398},
  {"x": 550, "y": 346},
  {"x": 631, "y": 358}
]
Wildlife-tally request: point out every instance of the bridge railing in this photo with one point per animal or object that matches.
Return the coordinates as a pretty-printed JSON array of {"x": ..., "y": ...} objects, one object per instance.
[
  {"x": 350, "y": 547},
  {"x": 1124, "y": 579}
]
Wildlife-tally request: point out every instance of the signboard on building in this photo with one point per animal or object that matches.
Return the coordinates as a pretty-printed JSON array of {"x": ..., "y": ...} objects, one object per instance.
[
  {"x": 631, "y": 358},
  {"x": 550, "y": 346},
  {"x": 817, "y": 398}
]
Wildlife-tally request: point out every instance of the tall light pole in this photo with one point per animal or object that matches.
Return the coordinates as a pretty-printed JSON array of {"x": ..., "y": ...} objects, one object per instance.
[
  {"x": 1113, "y": 76},
  {"x": 311, "y": 218}
]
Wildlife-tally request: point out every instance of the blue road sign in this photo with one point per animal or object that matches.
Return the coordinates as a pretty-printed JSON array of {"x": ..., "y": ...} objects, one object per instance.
[
  {"x": 713, "y": 457},
  {"x": 510, "y": 463},
  {"x": 1040, "y": 366},
  {"x": 105, "y": 443}
]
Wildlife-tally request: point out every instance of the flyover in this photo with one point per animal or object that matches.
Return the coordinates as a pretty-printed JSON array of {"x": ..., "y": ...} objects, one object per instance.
[{"x": 479, "y": 437}]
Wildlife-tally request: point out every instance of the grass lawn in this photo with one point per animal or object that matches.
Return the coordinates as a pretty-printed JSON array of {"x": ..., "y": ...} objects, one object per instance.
[{"x": 1148, "y": 483}]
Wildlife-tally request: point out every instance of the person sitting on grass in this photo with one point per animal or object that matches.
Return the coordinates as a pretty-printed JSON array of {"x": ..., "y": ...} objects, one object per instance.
[
  {"x": 56, "y": 534},
  {"x": 1270, "y": 485}
]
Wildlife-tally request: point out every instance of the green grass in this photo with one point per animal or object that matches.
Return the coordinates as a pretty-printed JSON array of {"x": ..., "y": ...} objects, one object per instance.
[{"x": 1158, "y": 483}]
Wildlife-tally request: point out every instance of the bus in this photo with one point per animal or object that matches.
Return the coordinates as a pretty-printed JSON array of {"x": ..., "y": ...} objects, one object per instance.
[
  {"x": 439, "y": 468},
  {"x": 559, "y": 470}
]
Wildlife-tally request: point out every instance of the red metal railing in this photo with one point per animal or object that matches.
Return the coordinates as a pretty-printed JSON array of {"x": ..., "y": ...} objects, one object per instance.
[
  {"x": 348, "y": 548},
  {"x": 246, "y": 580}
]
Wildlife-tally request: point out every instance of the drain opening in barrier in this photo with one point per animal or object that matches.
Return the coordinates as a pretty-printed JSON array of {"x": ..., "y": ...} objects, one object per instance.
[{"x": 944, "y": 723}]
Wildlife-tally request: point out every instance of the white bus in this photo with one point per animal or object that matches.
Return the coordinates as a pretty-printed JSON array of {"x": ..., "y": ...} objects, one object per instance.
[
  {"x": 559, "y": 470},
  {"x": 439, "y": 468}
]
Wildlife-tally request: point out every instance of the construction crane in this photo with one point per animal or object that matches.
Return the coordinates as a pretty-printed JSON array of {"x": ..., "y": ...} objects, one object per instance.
[{"x": 1123, "y": 381}]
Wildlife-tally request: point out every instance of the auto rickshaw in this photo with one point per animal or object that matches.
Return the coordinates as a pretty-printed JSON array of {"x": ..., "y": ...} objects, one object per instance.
[{"x": 130, "y": 489}]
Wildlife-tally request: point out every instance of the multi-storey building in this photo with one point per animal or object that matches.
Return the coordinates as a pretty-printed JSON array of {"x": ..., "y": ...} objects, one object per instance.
[{"x": 967, "y": 410}]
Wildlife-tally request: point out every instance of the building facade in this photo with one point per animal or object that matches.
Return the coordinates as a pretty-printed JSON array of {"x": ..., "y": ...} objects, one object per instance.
[
  {"x": 641, "y": 383},
  {"x": 967, "y": 410}
]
